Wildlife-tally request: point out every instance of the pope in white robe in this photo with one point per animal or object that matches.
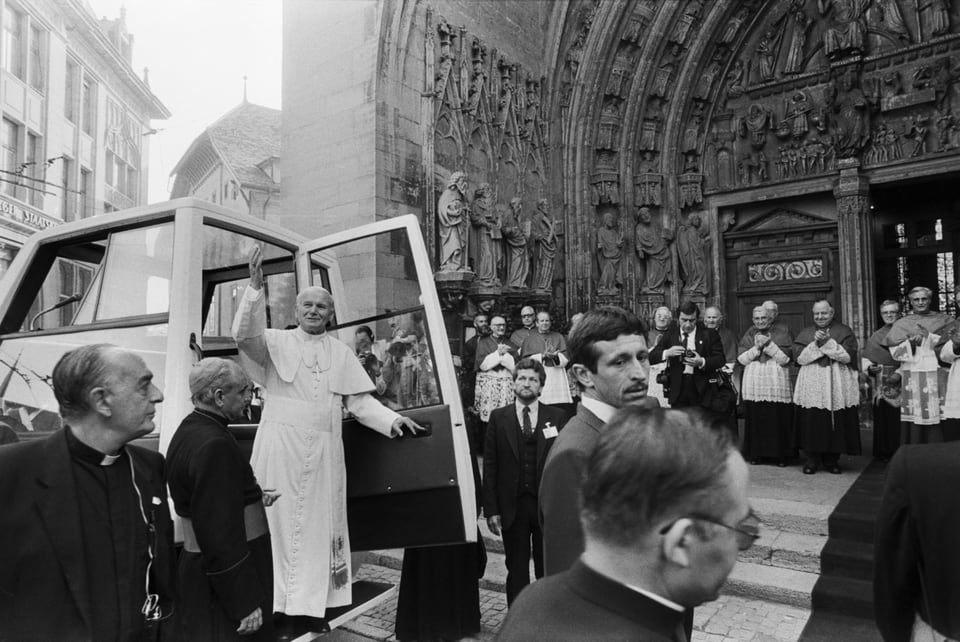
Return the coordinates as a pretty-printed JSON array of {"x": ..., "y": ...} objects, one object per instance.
[{"x": 298, "y": 451}]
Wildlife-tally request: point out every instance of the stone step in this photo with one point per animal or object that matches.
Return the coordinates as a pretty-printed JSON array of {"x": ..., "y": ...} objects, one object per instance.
[
  {"x": 756, "y": 580},
  {"x": 804, "y": 518}
]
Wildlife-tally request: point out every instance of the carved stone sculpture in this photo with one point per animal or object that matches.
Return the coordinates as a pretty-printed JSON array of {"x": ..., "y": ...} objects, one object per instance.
[
  {"x": 800, "y": 23},
  {"x": 652, "y": 252},
  {"x": 918, "y": 132},
  {"x": 609, "y": 255},
  {"x": 545, "y": 235},
  {"x": 515, "y": 236},
  {"x": 767, "y": 55},
  {"x": 890, "y": 18},
  {"x": 486, "y": 222},
  {"x": 852, "y": 129},
  {"x": 935, "y": 17},
  {"x": 452, "y": 222},
  {"x": 847, "y": 30},
  {"x": 692, "y": 251}
]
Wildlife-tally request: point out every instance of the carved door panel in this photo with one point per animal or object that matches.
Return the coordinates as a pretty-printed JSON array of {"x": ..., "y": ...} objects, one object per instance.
[{"x": 801, "y": 267}]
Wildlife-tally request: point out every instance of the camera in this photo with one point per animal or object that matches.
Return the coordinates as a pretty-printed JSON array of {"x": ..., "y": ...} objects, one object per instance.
[
  {"x": 689, "y": 354},
  {"x": 663, "y": 378}
]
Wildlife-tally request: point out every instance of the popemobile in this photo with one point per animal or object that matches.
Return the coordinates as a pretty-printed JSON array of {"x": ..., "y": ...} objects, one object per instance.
[{"x": 164, "y": 281}]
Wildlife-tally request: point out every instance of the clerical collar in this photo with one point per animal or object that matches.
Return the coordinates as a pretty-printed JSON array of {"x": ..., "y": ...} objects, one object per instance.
[
  {"x": 220, "y": 419},
  {"x": 82, "y": 452},
  {"x": 306, "y": 336}
]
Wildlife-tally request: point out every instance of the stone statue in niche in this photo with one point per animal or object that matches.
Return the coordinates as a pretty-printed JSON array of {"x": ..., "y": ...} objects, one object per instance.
[
  {"x": 531, "y": 110},
  {"x": 477, "y": 78},
  {"x": 707, "y": 77},
  {"x": 800, "y": 23},
  {"x": 452, "y": 213},
  {"x": 661, "y": 80},
  {"x": 755, "y": 125},
  {"x": 767, "y": 55},
  {"x": 683, "y": 26},
  {"x": 544, "y": 232},
  {"x": 692, "y": 250},
  {"x": 653, "y": 252},
  {"x": 798, "y": 111},
  {"x": 847, "y": 30},
  {"x": 506, "y": 92},
  {"x": 942, "y": 82},
  {"x": 852, "y": 123},
  {"x": 516, "y": 233},
  {"x": 608, "y": 246},
  {"x": 888, "y": 17},
  {"x": 486, "y": 222},
  {"x": 733, "y": 25},
  {"x": 934, "y": 17},
  {"x": 734, "y": 87},
  {"x": 446, "y": 57},
  {"x": 946, "y": 129},
  {"x": 918, "y": 132}
]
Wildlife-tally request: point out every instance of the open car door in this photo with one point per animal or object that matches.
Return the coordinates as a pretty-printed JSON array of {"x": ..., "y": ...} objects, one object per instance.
[{"x": 407, "y": 492}]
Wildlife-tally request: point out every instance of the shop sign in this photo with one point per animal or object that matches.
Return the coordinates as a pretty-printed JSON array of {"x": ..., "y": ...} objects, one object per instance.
[{"x": 24, "y": 216}]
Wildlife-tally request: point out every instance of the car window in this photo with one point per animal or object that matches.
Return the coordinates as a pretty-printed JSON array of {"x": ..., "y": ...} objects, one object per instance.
[{"x": 381, "y": 316}]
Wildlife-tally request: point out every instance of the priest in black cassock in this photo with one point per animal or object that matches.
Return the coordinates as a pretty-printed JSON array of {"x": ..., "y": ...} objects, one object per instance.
[
  {"x": 86, "y": 541},
  {"x": 226, "y": 569}
]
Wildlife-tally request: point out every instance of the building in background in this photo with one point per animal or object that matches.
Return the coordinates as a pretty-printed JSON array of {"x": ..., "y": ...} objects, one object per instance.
[
  {"x": 75, "y": 119},
  {"x": 234, "y": 162}
]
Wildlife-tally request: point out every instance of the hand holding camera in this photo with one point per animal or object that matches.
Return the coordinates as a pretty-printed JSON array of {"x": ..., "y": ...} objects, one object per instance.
[
  {"x": 674, "y": 351},
  {"x": 691, "y": 358}
]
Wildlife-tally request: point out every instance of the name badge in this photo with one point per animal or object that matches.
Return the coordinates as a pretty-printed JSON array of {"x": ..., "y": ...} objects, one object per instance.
[{"x": 549, "y": 431}]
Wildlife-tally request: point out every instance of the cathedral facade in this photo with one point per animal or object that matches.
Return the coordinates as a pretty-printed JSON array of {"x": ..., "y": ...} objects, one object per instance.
[{"x": 637, "y": 152}]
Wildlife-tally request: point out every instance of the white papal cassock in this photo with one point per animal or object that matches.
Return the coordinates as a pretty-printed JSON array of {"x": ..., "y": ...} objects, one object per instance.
[{"x": 298, "y": 452}]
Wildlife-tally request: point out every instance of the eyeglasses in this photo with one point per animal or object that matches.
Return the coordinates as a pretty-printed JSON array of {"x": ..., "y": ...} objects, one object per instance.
[
  {"x": 498, "y": 325},
  {"x": 747, "y": 531}
]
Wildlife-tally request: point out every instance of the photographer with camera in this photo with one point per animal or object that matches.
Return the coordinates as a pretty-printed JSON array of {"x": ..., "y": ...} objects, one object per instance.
[{"x": 693, "y": 354}]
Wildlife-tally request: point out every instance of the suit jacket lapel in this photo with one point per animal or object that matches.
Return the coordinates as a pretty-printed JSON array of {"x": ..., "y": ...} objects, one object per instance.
[
  {"x": 513, "y": 429},
  {"x": 541, "y": 440},
  {"x": 60, "y": 513}
]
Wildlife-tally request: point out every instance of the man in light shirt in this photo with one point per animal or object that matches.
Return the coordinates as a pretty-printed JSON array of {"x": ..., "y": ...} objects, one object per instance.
[{"x": 664, "y": 515}]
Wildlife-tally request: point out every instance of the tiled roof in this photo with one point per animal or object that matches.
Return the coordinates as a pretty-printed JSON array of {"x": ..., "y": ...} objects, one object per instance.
[{"x": 244, "y": 137}]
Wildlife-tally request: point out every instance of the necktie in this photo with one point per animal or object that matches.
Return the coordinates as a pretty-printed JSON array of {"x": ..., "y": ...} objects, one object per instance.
[{"x": 527, "y": 427}]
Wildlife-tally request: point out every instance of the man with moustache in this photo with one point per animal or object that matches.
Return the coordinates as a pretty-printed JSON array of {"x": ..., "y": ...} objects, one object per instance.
[
  {"x": 827, "y": 393},
  {"x": 86, "y": 541},
  {"x": 225, "y": 569},
  {"x": 665, "y": 513},
  {"x": 609, "y": 357},
  {"x": 519, "y": 436},
  {"x": 309, "y": 377}
]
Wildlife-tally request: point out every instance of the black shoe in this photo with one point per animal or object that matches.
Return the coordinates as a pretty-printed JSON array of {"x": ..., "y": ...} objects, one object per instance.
[
  {"x": 809, "y": 470},
  {"x": 835, "y": 469},
  {"x": 782, "y": 463}
]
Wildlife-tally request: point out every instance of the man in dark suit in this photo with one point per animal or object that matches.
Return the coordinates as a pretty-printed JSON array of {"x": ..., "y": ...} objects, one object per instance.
[
  {"x": 86, "y": 541},
  {"x": 693, "y": 354},
  {"x": 664, "y": 514},
  {"x": 608, "y": 356},
  {"x": 519, "y": 436},
  {"x": 915, "y": 586}
]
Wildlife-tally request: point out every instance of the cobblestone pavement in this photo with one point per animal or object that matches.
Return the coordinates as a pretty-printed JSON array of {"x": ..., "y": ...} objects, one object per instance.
[{"x": 728, "y": 619}]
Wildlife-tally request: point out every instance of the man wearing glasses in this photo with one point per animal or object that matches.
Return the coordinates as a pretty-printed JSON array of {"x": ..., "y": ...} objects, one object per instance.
[
  {"x": 664, "y": 515},
  {"x": 528, "y": 317}
]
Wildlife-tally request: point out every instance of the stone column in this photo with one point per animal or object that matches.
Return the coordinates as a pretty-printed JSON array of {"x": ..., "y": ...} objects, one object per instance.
[{"x": 857, "y": 276}]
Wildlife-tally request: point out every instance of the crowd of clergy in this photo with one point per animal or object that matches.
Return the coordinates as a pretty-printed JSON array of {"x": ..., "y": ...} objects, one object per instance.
[{"x": 799, "y": 393}]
